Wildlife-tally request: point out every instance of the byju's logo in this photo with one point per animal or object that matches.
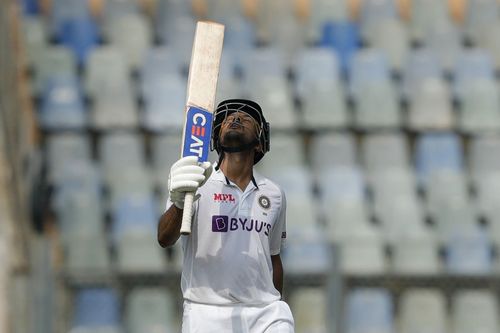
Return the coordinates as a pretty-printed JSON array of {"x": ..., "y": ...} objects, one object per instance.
[
  {"x": 220, "y": 223},
  {"x": 223, "y": 223}
]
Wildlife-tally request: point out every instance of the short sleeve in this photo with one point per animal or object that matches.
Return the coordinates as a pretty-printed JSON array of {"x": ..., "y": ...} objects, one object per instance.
[{"x": 278, "y": 234}]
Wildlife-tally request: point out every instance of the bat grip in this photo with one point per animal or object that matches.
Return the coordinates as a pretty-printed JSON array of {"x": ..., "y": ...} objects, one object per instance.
[{"x": 187, "y": 213}]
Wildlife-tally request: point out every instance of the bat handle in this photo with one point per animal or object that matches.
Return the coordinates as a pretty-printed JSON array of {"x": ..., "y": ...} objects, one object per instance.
[{"x": 187, "y": 213}]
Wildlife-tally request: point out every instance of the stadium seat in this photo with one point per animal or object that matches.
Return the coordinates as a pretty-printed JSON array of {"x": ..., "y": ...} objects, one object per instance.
[
  {"x": 275, "y": 97},
  {"x": 377, "y": 106},
  {"x": 431, "y": 107},
  {"x": 484, "y": 155},
  {"x": 62, "y": 149},
  {"x": 126, "y": 181},
  {"x": 164, "y": 100},
  {"x": 239, "y": 38},
  {"x": 80, "y": 212},
  {"x": 53, "y": 61},
  {"x": 178, "y": 35},
  {"x": 344, "y": 219},
  {"x": 332, "y": 150},
  {"x": 165, "y": 14},
  {"x": 309, "y": 307},
  {"x": 399, "y": 216},
  {"x": 64, "y": 11},
  {"x": 150, "y": 309},
  {"x": 445, "y": 41},
  {"x": 474, "y": 310},
  {"x": 479, "y": 16},
  {"x": 106, "y": 67},
  {"x": 416, "y": 254},
  {"x": 423, "y": 310},
  {"x": 342, "y": 184},
  {"x": 368, "y": 310},
  {"x": 473, "y": 64},
  {"x": 114, "y": 10},
  {"x": 35, "y": 37},
  {"x": 445, "y": 189},
  {"x": 468, "y": 250},
  {"x": 383, "y": 151},
  {"x": 132, "y": 35},
  {"x": 479, "y": 106},
  {"x": 391, "y": 37},
  {"x": 362, "y": 252},
  {"x": 86, "y": 254},
  {"x": 488, "y": 40},
  {"x": 138, "y": 252},
  {"x": 393, "y": 182},
  {"x": 158, "y": 62},
  {"x": 488, "y": 195},
  {"x": 289, "y": 153},
  {"x": 121, "y": 149},
  {"x": 296, "y": 182},
  {"x": 373, "y": 12},
  {"x": 421, "y": 64},
  {"x": 62, "y": 105},
  {"x": 368, "y": 65},
  {"x": 425, "y": 14},
  {"x": 324, "y": 106},
  {"x": 81, "y": 35},
  {"x": 343, "y": 36},
  {"x": 307, "y": 252},
  {"x": 261, "y": 64},
  {"x": 96, "y": 308},
  {"x": 30, "y": 7},
  {"x": 165, "y": 152},
  {"x": 135, "y": 211},
  {"x": 323, "y": 11},
  {"x": 315, "y": 64},
  {"x": 435, "y": 152}
]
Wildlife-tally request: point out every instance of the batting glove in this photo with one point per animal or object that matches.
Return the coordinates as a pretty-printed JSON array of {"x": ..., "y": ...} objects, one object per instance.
[{"x": 187, "y": 175}]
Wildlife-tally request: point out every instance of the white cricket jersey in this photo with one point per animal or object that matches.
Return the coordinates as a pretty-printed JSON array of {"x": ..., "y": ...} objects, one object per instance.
[{"x": 227, "y": 257}]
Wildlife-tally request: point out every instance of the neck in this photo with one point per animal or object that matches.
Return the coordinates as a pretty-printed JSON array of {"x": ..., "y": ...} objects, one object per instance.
[{"x": 238, "y": 167}]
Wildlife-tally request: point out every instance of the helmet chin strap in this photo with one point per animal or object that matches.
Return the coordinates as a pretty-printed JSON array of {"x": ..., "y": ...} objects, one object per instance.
[{"x": 239, "y": 149}]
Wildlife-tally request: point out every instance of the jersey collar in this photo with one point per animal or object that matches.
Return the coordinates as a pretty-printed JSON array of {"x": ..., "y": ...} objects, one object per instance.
[{"x": 257, "y": 178}]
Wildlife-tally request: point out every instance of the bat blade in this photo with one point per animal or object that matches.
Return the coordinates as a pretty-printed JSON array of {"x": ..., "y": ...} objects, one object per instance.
[{"x": 200, "y": 103}]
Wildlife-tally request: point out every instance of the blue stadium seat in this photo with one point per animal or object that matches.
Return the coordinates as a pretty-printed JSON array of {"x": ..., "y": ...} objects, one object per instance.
[
  {"x": 62, "y": 104},
  {"x": 342, "y": 184},
  {"x": 344, "y": 38},
  {"x": 468, "y": 251},
  {"x": 158, "y": 62},
  {"x": 369, "y": 310},
  {"x": 81, "y": 35},
  {"x": 437, "y": 151},
  {"x": 96, "y": 308},
  {"x": 64, "y": 11},
  {"x": 30, "y": 7},
  {"x": 134, "y": 212}
]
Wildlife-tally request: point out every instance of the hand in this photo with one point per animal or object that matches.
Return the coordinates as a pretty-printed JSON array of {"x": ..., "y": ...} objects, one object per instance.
[{"x": 186, "y": 175}]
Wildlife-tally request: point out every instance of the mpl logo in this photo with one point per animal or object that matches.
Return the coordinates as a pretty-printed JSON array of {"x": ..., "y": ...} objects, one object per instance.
[
  {"x": 224, "y": 197},
  {"x": 197, "y": 133}
]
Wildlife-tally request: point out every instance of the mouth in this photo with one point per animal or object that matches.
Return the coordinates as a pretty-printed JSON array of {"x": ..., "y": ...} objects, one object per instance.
[{"x": 235, "y": 125}]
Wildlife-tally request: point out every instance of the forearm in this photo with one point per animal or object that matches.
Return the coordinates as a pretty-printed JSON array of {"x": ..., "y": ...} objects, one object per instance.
[
  {"x": 169, "y": 226},
  {"x": 277, "y": 273}
]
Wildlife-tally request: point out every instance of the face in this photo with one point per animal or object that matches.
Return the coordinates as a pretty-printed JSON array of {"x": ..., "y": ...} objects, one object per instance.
[{"x": 238, "y": 128}]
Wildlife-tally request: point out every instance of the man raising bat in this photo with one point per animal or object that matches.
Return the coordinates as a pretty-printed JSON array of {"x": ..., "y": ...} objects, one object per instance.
[{"x": 232, "y": 275}]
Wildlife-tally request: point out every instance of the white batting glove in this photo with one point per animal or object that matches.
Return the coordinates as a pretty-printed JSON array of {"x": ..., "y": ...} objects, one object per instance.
[{"x": 187, "y": 175}]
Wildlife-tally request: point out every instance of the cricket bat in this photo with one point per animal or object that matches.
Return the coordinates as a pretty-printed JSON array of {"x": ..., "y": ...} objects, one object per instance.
[{"x": 200, "y": 103}]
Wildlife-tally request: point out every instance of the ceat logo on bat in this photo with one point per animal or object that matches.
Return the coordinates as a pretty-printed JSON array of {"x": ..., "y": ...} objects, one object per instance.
[{"x": 197, "y": 133}]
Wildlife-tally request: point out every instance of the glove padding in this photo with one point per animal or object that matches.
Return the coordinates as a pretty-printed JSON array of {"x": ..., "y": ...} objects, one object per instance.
[{"x": 187, "y": 175}]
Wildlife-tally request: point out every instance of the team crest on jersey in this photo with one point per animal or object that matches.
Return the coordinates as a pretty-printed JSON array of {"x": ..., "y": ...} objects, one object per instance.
[{"x": 264, "y": 202}]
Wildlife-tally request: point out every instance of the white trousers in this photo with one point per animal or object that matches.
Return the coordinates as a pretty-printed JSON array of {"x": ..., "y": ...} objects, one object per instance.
[{"x": 203, "y": 318}]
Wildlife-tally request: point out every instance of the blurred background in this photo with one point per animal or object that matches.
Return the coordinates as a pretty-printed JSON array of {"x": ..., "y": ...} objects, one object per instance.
[{"x": 385, "y": 122}]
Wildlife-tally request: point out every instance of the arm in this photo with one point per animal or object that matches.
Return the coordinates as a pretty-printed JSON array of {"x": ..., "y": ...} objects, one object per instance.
[
  {"x": 169, "y": 226},
  {"x": 277, "y": 273}
]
